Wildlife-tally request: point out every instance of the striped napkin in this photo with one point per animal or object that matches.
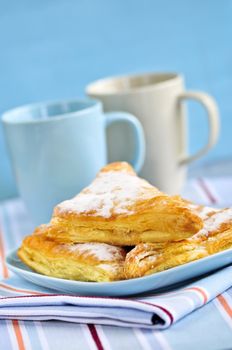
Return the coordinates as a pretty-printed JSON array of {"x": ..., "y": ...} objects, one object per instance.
[{"x": 159, "y": 311}]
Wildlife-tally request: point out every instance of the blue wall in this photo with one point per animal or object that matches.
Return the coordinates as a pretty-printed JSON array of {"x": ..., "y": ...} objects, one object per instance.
[{"x": 52, "y": 48}]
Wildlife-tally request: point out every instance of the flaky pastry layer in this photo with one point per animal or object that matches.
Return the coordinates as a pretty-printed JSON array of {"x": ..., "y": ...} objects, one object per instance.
[
  {"x": 97, "y": 262},
  {"x": 120, "y": 208},
  {"x": 215, "y": 236}
]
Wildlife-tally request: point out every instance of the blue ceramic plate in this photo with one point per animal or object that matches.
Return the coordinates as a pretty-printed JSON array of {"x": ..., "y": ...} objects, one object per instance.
[{"x": 155, "y": 282}]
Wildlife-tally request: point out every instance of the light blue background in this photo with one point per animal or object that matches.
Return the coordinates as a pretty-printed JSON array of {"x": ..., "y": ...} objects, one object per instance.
[{"x": 51, "y": 49}]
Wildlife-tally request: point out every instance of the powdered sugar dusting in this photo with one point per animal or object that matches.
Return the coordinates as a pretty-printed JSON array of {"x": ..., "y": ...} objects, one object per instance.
[
  {"x": 102, "y": 251},
  {"x": 213, "y": 222},
  {"x": 110, "y": 193},
  {"x": 112, "y": 268},
  {"x": 202, "y": 211},
  {"x": 205, "y": 212}
]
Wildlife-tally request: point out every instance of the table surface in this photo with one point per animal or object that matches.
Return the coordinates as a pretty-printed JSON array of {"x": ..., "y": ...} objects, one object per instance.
[{"x": 208, "y": 328}]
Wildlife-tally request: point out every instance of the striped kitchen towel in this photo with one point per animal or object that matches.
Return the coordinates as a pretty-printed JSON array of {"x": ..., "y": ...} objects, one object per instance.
[{"x": 24, "y": 301}]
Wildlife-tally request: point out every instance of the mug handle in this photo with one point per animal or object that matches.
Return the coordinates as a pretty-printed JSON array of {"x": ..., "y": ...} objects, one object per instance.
[
  {"x": 138, "y": 134},
  {"x": 213, "y": 119}
]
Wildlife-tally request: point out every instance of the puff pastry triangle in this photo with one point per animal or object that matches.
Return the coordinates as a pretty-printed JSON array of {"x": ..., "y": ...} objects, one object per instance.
[
  {"x": 96, "y": 262},
  {"x": 120, "y": 208},
  {"x": 215, "y": 236}
]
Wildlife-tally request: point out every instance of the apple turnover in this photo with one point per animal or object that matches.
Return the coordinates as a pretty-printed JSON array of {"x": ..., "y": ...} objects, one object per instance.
[
  {"x": 215, "y": 236},
  {"x": 96, "y": 262},
  {"x": 122, "y": 209}
]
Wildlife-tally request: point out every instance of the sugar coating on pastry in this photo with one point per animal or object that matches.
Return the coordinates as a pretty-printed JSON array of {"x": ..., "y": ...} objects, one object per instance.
[
  {"x": 112, "y": 192},
  {"x": 213, "y": 222},
  {"x": 96, "y": 262},
  {"x": 215, "y": 236},
  {"x": 119, "y": 208},
  {"x": 102, "y": 252},
  {"x": 203, "y": 211}
]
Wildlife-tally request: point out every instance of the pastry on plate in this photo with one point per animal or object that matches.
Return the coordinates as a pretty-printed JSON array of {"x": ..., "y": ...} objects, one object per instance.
[
  {"x": 97, "y": 262},
  {"x": 215, "y": 236},
  {"x": 120, "y": 208}
]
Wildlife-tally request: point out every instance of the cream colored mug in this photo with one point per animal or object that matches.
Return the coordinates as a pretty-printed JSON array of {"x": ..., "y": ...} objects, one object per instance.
[{"x": 157, "y": 100}]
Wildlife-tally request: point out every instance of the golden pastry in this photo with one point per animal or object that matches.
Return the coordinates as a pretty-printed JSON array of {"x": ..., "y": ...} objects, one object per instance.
[
  {"x": 97, "y": 262},
  {"x": 119, "y": 208},
  {"x": 215, "y": 236}
]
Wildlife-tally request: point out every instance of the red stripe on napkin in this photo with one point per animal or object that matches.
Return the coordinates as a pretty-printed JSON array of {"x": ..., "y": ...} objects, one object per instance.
[
  {"x": 167, "y": 312},
  {"x": 207, "y": 191},
  {"x": 95, "y": 336},
  {"x": 201, "y": 291}
]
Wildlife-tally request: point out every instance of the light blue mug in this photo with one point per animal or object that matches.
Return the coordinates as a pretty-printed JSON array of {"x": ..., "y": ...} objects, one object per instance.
[{"x": 57, "y": 148}]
